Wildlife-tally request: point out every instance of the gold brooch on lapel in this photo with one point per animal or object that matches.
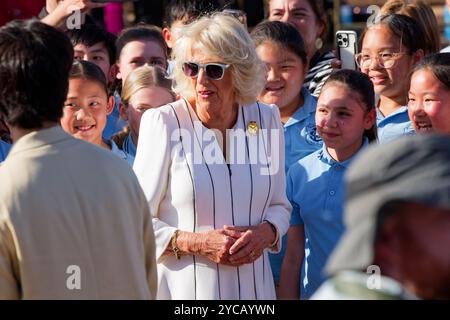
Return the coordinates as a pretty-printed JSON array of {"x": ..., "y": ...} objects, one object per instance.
[{"x": 252, "y": 128}]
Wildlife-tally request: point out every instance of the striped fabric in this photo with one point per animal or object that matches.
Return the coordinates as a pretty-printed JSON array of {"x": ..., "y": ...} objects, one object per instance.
[{"x": 320, "y": 70}]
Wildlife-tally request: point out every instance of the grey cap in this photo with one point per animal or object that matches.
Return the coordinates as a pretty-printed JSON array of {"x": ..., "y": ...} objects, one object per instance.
[{"x": 412, "y": 168}]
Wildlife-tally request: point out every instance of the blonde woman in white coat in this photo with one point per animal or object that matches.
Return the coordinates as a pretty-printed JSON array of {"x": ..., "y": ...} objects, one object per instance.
[{"x": 211, "y": 166}]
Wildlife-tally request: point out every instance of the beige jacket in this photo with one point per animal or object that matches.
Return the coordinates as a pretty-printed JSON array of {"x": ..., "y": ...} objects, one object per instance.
[{"x": 74, "y": 223}]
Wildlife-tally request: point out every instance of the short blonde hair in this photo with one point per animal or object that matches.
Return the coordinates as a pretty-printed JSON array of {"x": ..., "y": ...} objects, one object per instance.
[
  {"x": 144, "y": 77},
  {"x": 423, "y": 14},
  {"x": 224, "y": 37}
]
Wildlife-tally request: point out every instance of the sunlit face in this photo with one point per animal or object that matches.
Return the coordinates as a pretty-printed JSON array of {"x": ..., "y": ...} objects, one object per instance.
[
  {"x": 341, "y": 118},
  {"x": 301, "y": 15},
  {"x": 429, "y": 103},
  {"x": 140, "y": 101},
  {"x": 85, "y": 110},
  {"x": 422, "y": 231},
  {"x": 392, "y": 82},
  {"x": 212, "y": 97},
  {"x": 97, "y": 54},
  {"x": 138, "y": 53},
  {"x": 285, "y": 75}
]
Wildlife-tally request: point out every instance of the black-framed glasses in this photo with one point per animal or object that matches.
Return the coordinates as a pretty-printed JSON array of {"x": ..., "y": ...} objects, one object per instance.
[{"x": 214, "y": 71}]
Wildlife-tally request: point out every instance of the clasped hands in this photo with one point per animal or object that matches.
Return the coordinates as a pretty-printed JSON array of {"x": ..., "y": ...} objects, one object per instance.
[{"x": 236, "y": 246}]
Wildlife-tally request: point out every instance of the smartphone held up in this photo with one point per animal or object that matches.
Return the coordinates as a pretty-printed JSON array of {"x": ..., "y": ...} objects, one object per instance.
[{"x": 347, "y": 48}]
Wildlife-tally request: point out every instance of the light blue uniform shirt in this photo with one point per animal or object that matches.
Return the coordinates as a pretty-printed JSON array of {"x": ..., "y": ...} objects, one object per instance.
[
  {"x": 301, "y": 139},
  {"x": 114, "y": 123},
  {"x": 4, "y": 149},
  {"x": 394, "y": 126},
  {"x": 316, "y": 189},
  {"x": 128, "y": 152},
  {"x": 300, "y": 134}
]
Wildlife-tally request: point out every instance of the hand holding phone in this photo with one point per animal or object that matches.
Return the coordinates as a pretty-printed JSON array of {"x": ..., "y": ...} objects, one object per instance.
[{"x": 347, "y": 47}]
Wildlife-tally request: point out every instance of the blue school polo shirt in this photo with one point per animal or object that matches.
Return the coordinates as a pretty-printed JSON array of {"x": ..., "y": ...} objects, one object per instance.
[
  {"x": 129, "y": 147},
  {"x": 301, "y": 139},
  {"x": 4, "y": 149},
  {"x": 393, "y": 126},
  {"x": 316, "y": 189},
  {"x": 300, "y": 134},
  {"x": 114, "y": 123},
  {"x": 124, "y": 153}
]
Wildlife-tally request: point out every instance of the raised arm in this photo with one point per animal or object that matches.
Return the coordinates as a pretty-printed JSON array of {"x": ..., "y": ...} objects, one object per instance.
[{"x": 60, "y": 10}]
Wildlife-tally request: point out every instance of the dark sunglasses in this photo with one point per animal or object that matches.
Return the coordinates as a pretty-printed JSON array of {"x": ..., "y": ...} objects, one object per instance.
[{"x": 214, "y": 71}]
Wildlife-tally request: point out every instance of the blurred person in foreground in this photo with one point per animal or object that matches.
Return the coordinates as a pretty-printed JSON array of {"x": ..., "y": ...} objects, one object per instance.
[{"x": 69, "y": 229}]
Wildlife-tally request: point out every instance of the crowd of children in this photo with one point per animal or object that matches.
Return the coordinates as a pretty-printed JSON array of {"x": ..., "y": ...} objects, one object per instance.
[{"x": 329, "y": 116}]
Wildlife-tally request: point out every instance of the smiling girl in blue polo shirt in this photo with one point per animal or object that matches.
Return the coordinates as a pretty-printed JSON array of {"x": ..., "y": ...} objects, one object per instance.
[
  {"x": 345, "y": 119},
  {"x": 390, "y": 49},
  {"x": 280, "y": 46}
]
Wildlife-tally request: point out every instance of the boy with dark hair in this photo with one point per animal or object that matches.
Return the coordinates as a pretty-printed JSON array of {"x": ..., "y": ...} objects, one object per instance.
[
  {"x": 94, "y": 44},
  {"x": 65, "y": 233}
]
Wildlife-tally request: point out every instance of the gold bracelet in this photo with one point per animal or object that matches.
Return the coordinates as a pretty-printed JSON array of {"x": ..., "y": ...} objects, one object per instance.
[
  {"x": 274, "y": 230},
  {"x": 173, "y": 242}
]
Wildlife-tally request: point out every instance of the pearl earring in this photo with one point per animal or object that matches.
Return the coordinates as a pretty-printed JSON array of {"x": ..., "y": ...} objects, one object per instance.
[{"x": 319, "y": 43}]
